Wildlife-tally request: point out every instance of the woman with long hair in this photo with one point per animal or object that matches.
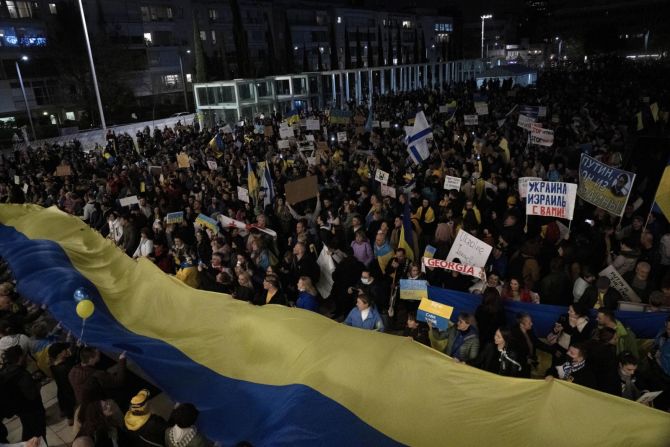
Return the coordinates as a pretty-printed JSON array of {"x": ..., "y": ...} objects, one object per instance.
[
  {"x": 500, "y": 357},
  {"x": 307, "y": 295}
]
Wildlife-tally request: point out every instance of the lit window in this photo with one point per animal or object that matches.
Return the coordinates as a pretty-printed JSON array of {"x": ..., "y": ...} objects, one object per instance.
[
  {"x": 189, "y": 78},
  {"x": 203, "y": 35},
  {"x": 214, "y": 37},
  {"x": 52, "y": 8},
  {"x": 147, "y": 38},
  {"x": 213, "y": 14},
  {"x": 339, "y": 19},
  {"x": 406, "y": 24},
  {"x": 171, "y": 80},
  {"x": 168, "y": 13},
  {"x": 18, "y": 9},
  {"x": 69, "y": 116}
]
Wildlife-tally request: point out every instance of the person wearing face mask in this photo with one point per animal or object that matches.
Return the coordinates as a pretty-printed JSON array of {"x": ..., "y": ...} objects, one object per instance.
[{"x": 375, "y": 290}]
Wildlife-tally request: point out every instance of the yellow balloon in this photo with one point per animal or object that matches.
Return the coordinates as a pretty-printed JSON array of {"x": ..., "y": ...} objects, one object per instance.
[{"x": 85, "y": 308}]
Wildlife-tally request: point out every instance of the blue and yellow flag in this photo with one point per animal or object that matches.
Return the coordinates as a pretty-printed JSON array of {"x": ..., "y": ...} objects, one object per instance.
[
  {"x": 273, "y": 373},
  {"x": 252, "y": 181},
  {"x": 216, "y": 143},
  {"x": 663, "y": 192},
  {"x": 407, "y": 233},
  {"x": 293, "y": 116}
]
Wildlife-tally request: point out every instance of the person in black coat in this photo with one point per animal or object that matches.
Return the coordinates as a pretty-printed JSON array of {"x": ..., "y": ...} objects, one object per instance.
[
  {"x": 499, "y": 357},
  {"x": 23, "y": 394},
  {"x": 603, "y": 360},
  {"x": 576, "y": 369},
  {"x": 490, "y": 315},
  {"x": 601, "y": 295},
  {"x": 526, "y": 343},
  {"x": 144, "y": 428},
  {"x": 272, "y": 293},
  {"x": 62, "y": 361}
]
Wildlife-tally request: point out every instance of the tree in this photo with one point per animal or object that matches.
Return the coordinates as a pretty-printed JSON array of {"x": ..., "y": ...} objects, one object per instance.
[
  {"x": 319, "y": 61},
  {"x": 199, "y": 50},
  {"x": 241, "y": 44},
  {"x": 288, "y": 43},
  {"x": 347, "y": 50},
  {"x": 270, "y": 42},
  {"x": 359, "y": 50},
  {"x": 389, "y": 53},
  {"x": 380, "y": 47},
  {"x": 305, "y": 58},
  {"x": 398, "y": 45},
  {"x": 371, "y": 61},
  {"x": 334, "y": 63}
]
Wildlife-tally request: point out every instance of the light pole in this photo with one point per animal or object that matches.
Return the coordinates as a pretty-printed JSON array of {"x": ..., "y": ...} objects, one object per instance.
[
  {"x": 183, "y": 80},
  {"x": 484, "y": 17},
  {"x": 25, "y": 98},
  {"x": 90, "y": 59}
]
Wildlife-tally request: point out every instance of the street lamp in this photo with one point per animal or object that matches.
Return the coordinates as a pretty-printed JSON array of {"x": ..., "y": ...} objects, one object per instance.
[
  {"x": 25, "y": 98},
  {"x": 484, "y": 17},
  {"x": 183, "y": 79},
  {"x": 90, "y": 59}
]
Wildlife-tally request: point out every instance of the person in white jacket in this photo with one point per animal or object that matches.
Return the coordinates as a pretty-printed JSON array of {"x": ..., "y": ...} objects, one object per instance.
[{"x": 146, "y": 245}]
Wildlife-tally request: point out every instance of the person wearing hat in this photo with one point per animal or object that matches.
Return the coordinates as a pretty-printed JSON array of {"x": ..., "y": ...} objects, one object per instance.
[
  {"x": 601, "y": 295},
  {"x": 145, "y": 428},
  {"x": 183, "y": 432}
]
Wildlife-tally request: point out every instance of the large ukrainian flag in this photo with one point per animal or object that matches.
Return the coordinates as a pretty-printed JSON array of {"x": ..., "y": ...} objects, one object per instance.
[{"x": 277, "y": 376}]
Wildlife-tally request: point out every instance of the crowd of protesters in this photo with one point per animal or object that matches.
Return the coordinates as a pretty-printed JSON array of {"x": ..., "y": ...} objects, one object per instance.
[{"x": 357, "y": 229}]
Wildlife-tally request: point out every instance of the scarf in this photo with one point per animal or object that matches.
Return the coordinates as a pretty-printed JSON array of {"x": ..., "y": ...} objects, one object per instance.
[
  {"x": 181, "y": 437},
  {"x": 570, "y": 367}
]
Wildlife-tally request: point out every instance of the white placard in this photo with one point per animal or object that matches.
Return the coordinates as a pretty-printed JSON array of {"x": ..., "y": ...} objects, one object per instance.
[
  {"x": 619, "y": 284},
  {"x": 388, "y": 191},
  {"x": 525, "y": 122},
  {"x": 649, "y": 396},
  {"x": 212, "y": 165},
  {"x": 130, "y": 200},
  {"x": 309, "y": 138},
  {"x": 242, "y": 194},
  {"x": 540, "y": 136},
  {"x": 282, "y": 144},
  {"x": 375, "y": 124},
  {"x": 382, "y": 176},
  {"x": 471, "y": 120},
  {"x": 17, "y": 180},
  {"x": 442, "y": 109},
  {"x": 285, "y": 132},
  {"x": 452, "y": 183},
  {"x": 523, "y": 185},
  {"x": 541, "y": 111},
  {"x": 469, "y": 250},
  {"x": 551, "y": 199},
  {"x": 386, "y": 124},
  {"x": 227, "y": 129},
  {"x": 482, "y": 108},
  {"x": 25, "y": 188},
  {"x": 341, "y": 137},
  {"x": 313, "y": 124}
]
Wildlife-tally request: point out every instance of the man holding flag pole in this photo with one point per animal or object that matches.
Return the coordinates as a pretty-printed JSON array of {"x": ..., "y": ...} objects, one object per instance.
[{"x": 417, "y": 139}]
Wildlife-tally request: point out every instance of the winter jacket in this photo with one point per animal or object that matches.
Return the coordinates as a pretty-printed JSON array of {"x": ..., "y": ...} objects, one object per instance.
[{"x": 372, "y": 322}]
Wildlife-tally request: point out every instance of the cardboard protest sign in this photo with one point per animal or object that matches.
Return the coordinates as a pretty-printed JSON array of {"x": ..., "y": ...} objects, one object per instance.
[
  {"x": 207, "y": 222},
  {"x": 375, "y": 124},
  {"x": 553, "y": 199},
  {"x": 469, "y": 250},
  {"x": 212, "y": 165},
  {"x": 242, "y": 194},
  {"x": 227, "y": 129},
  {"x": 382, "y": 176},
  {"x": 321, "y": 146},
  {"x": 301, "y": 190},
  {"x": 540, "y": 136},
  {"x": 269, "y": 131},
  {"x": 286, "y": 132},
  {"x": 471, "y": 120},
  {"x": 309, "y": 138},
  {"x": 386, "y": 124},
  {"x": 182, "y": 160},
  {"x": 174, "y": 218},
  {"x": 452, "y": 183},
  {"x": 525, "y": 122},
  {"x": 341, "y": 137},
  {"x": 130, "y": 200},
  {"x": 25, "y": 188},
  {"x": 482, "y": 108},
  {"x": 604, "y": 186},
  {"x": 437, "y": 314},
  {"x": 523, "y": 185},
  {"x": 442, "y": 109},
  {"x": 465, "y": 269},
  {"x": 388, "y": 191},
  {"x": 312, "y": 124},
  {"x": 283, "y": 144},
  {"x": 620, "y": 285},
  {"x": 413, "y": 289},
  {"x": 17, "y": 180},
  {"x": 63, "y": 170}
]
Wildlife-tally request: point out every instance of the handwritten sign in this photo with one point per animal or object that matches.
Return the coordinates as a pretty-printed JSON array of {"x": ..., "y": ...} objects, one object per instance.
[
  {"x": 540, "y": 136},
  {"x": 552, "y": 199},
  {"x": 382, "y": 176},
  {"x": 285, "y": 133},
  {"x": 452, "y": 183},
  {"x": 620, "y": 285},
  {"x": 212, "y": 165},
  {"x": 312, "y": 124},
  {"x": 182, "y": 160},
  {"x": 481, "y": 108},
  {"x": 469, "y": 250},
  {"x": 283, "y": 144},
  {"x": 525, "y": 122},
  {"x": 388, "y": 191},
  {"x": 386, "y": 124},
  {"x": 434, "y": 313},
  {"x": 128, "y": 201},
  {"x": 242, "y": 194},
  {"x": 471, "y": 120},
  {"x": 341, "y": 137}
]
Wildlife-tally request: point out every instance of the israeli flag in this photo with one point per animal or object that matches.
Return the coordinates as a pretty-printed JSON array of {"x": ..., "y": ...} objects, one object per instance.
[
  {"x": 416, "y": 139},
  {"x": 268, "y": 187}
]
